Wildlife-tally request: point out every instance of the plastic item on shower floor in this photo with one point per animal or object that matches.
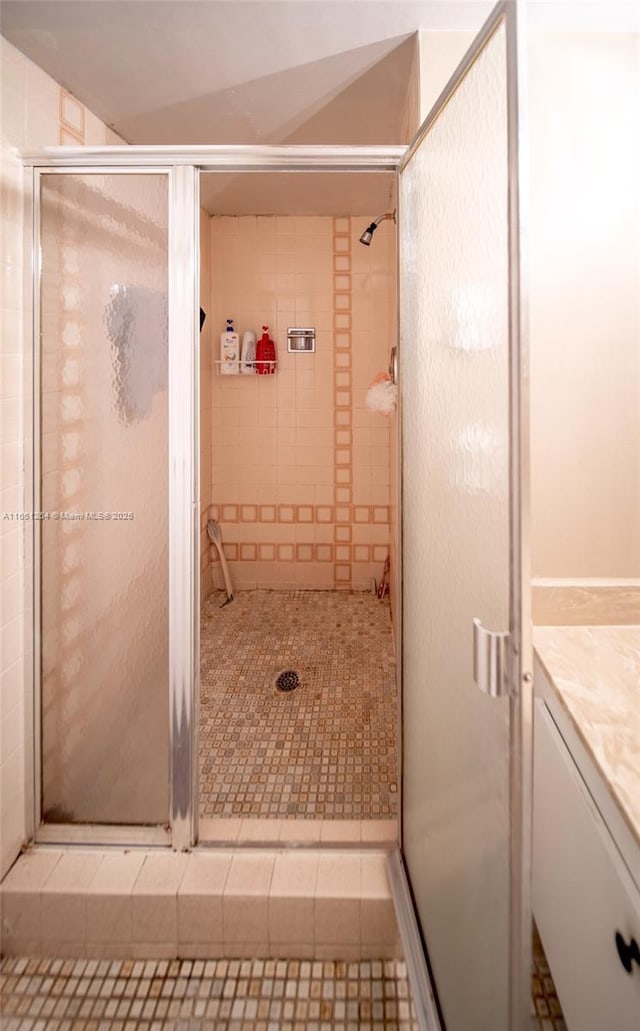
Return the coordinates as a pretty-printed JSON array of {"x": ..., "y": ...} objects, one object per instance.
[
  {"x": 214, "y": 534},
  {"x": 383, "y": 586}
]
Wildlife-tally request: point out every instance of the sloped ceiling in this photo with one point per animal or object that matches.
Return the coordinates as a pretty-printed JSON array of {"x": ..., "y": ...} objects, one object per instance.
[
  {"x": 252, "y": 71},
  {"x": 184, "y": 72},
  {"x": 255, "y": 71}
]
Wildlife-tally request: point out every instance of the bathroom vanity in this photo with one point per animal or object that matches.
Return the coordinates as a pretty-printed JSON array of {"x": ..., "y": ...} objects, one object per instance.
[{"x": 586, "y": 836}]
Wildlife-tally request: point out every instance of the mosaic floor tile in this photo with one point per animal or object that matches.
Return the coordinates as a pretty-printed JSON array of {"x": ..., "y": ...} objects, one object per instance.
[
  {"x": 324, "y": 750},
  {"x": 225, "y": 995},
  {"x": 546, "y": 1011}
]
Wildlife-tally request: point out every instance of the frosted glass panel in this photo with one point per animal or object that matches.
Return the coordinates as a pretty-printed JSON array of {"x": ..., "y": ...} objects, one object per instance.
[
  {"x": 454, "y": 340},
  {"x": 104, "y": 485}
]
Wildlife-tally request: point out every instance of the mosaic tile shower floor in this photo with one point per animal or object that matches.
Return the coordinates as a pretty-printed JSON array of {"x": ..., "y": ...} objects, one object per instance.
[
  {"x": 325, "y": 750},
  {"x": 225, "y": 995}
]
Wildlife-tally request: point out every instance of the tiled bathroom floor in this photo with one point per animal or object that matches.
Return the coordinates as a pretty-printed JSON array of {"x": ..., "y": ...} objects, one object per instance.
[
  {"x": 325, "y": 750},
  {"x": 546, "y": 1012},
  {"x": 225, "y": 995}
]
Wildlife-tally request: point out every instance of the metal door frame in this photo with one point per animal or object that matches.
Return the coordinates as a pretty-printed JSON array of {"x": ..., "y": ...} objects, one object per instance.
[
  {"x": 183, "y": 166},
  {"x": 511, "y": 14}
]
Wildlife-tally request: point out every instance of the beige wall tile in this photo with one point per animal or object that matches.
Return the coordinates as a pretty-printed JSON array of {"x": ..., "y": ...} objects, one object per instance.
[
  {"x": 250, "y": 874},
  {"x": 201, "y": 950},
  {"x": 245, "y": 919},
  {"x": 161, "y": 874},
  {"x": 31, "y": 872},
  {"x": 154, "y": 918},
  {"x": 63, "y": 919},
  {"x": 73, "y": 873},
  {"x": 108, "y": 919},
  {"x": 152, "y": 950},
  {"x": 291, "y": 919},
  {"x": 20, "y": 946},
  {"x": 298, "y": 402},
  {"x": 336, "y": 922},
  {"x": 259, "y": 830},
  {"x": 334, "y": 831},
  {"x": 339, "y": 875},
  {"x": 375, "y": 880},
  {"x": 379, "y": 830},
  {"x": 117, "y": 874},
  {"x": 298, "y": 831},
  {"x": 206, "y": 873},
  {"x": 20, "y": 919},
  {"x": 295, "y": 875},
  {"x": 219, "y": 830},
  {"x": 200, "y": 919},
  {"x": 378, "y": 923}
]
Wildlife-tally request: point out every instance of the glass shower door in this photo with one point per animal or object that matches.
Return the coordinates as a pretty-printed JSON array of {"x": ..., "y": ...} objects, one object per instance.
[
  {"x": 103, "y": 484},
  {"x": 464, "y": 757}
]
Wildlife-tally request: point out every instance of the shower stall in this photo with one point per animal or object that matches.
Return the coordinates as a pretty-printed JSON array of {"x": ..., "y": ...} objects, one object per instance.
[
  {"x": 116, "y": 475},
  {"x": 295, "y": 470}
]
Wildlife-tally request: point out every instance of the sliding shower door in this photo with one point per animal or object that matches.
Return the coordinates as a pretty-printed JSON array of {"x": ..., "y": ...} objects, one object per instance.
[
  {"x": 465, "y": 752},
  {"x": 107, "y": 533}
]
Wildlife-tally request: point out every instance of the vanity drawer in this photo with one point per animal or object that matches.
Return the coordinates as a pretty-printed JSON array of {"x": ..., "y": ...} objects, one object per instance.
[{"x": 582, "y": 893}]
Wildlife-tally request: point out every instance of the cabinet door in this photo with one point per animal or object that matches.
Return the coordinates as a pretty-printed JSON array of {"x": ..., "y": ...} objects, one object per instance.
[{"x": 582, "y": 892}]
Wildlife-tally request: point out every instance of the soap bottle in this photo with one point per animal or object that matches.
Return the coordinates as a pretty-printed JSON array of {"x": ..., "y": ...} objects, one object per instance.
[
  {"x": 229, "y": 350},
  {"x": 265, "y": 354},
  {"x": 248, "y": 353}
]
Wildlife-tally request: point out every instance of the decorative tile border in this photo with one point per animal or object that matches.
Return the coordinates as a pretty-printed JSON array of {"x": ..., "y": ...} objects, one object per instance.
[
  {"x": 72, "y": 123},
  {"x": 294, "y": 552},
  {"x": 302, "y": 514},
  {"x": 343, "y": 552},
  {"x": 342, "y": 395}
]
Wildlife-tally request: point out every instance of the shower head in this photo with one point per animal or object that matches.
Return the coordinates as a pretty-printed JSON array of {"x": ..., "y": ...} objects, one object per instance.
[{"x": 367, "y": 236}]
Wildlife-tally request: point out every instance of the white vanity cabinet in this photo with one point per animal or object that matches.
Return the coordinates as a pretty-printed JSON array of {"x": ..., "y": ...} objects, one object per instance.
[{"x": 585, "y": 876}]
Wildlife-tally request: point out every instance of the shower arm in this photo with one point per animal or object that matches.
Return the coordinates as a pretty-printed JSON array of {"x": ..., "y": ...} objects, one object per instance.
[{"x": 381, "y": 218}]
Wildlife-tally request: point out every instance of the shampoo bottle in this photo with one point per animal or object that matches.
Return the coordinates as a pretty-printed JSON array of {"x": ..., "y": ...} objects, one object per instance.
[
  {"x": 248, "y": 353},
  {"x": 265, "y": 354},
  {"x": 229, "y": 350}
]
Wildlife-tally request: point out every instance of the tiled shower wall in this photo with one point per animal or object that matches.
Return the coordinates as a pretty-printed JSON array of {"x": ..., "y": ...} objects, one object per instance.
[
  {"x": 36, "y": 111},
  {"x": 300, "y": 468}
]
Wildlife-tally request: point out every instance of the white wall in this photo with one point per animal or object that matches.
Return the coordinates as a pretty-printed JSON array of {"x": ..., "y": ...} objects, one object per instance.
[
  {"x": 440, "y": 54},
  {"x": 32, "y": 115},
  {"x": 584, "y": 257},
  {"x": 585, "y": 328}
]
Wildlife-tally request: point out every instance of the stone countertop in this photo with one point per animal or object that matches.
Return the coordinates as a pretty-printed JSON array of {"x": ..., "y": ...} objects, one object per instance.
[{"x": 595, "y": 671}]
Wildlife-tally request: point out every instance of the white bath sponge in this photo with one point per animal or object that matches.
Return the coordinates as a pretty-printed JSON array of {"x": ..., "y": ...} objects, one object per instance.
[{"x": 382, "y": 395}]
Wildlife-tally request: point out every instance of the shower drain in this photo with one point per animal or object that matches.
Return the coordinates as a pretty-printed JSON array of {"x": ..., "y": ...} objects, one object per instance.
[{"x": 288, "y": 680}]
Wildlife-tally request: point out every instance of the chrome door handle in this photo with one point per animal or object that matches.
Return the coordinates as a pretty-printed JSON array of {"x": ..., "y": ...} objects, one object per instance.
[
  {"x": 490, "y": 660},
  {"x": 393, "y": 365}
]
